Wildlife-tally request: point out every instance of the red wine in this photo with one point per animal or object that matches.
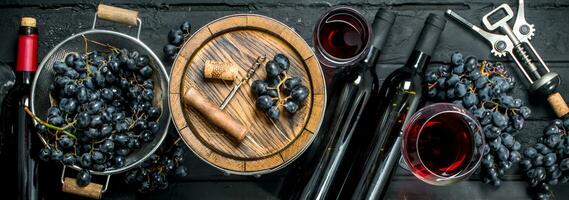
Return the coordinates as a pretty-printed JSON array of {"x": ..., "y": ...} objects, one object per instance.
[
  {"x": 444, "y": 146},
  {"x": 341, "y": 36},
  {"x": 15, "y": 123}
]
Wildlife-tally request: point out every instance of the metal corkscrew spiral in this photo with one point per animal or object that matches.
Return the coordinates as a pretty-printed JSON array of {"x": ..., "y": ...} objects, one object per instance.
[
  {"x": 516, "y": 43},
  {"x": 527, "y": 60}
]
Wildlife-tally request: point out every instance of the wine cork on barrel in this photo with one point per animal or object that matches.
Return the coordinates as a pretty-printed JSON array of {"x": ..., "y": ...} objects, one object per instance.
[
  {"x": 214, "y": 114},
  {"x": 220, "y": 70},
  {"x": 558, "y": 104}
]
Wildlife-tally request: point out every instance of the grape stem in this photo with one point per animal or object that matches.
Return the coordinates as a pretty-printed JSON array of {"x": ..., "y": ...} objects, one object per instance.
[
  {"x": 111, "y": 47},
  {"x": 280, "y": 100},
  {"x": 173, "y": 144},
  {"x": 69, "y": 124},
  {"x": 47, "y": 124},
  {"x": 87, "y": 65}
]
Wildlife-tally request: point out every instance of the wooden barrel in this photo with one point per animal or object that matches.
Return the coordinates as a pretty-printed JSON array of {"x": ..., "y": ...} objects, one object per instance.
[{"x": 270, "y": 144}]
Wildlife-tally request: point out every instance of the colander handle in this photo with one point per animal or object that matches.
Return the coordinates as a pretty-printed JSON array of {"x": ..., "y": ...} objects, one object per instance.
[
  {"x": 118, "y": 15},
  {"x": 93, "y": 190}
]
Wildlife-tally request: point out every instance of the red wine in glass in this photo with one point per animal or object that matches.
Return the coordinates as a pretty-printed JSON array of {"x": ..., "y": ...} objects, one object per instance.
[
  {"x": 341, "y": 37},
  {"x": 442, "y": 144}
]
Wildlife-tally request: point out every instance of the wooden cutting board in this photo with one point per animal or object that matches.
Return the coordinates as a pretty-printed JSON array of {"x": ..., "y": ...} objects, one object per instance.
[{"x": 240, "y": 39}]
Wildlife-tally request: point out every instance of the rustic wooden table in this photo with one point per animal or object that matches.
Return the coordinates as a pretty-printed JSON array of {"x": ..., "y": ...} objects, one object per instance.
[{"x": 58, "y": 19}]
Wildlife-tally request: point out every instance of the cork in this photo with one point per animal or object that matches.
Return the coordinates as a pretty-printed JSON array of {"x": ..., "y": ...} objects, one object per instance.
[
  {"x": 220, "y": 70},
  {"x": 28, "y": 21},
  {"x": 558, "y": 104},
  {"x": 214, "y": 114}
]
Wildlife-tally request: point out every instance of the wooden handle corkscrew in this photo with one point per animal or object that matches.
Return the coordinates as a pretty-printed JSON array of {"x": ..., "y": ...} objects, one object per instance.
[{"x": 214, "y": 114}]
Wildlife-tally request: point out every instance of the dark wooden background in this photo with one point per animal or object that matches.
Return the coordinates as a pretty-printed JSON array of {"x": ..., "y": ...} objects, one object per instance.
[{"x": 58, "y": 19}]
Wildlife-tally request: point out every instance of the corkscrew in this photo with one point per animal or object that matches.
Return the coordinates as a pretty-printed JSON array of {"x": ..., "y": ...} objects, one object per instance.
[{"x": 516, "y": 43}]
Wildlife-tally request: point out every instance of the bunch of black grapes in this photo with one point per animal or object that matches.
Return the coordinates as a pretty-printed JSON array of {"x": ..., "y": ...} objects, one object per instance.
[
  {"x": 101, "y": 112},
  {"x": 176, "y": 38},
  {"x": 482, "y": 88},
  {"x": 547, "y": 162},
  {"x": 152, "y": 175},
  {"x": 279, "y": 89}
]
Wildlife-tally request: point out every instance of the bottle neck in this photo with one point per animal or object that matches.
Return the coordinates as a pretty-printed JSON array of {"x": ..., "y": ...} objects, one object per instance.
[
  {"x": 24, "y": 77},
  {"x": 372, "y": 57},
  {"x": 28, "y": 30},
  {"x": 367, "y": 64},
  {"x": 27, "y": 59},
  {"x": 418, "y": 60}
]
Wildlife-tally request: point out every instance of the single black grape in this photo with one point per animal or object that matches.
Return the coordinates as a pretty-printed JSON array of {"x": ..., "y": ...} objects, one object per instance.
[
  {"x": 153, "y": 113},
  {"x": 272, "y": 93},
  {"x": 290, "y": 106},
  {"x": 273, "y": 69},
  {"x": 83, "y": 178},
  {"x": 119, "y": 161},
  {"x": 97, "y": 157},
  {"x": 107, "y": 146},
  {"x": 60, "y": 67},
  {"x": 181, "y": 171},
  {"x": 299, "y": 93},
  {"x": 45, "y": 154},
  {"x": 273, "y": 112},
  {"x": 86, "y": 160},
  {"x": 80, "y": 66},
  {"x": 142, "y": 60},
  {"x": 170, "y": 50},
  {"x": 282, "y": 61},
  {"x": 146, "y": 71},
  {"x": 292, "y": 83},
  {"x": 147, "y": 136},
  {"x": 69, "y": 159},
  {"x": 264, "y": 102},
  {"x": 56, "y": 120},
  {"x": 66, "y": 142},
  {"x": 70, "y": 59},
  {"x": 186, "y": 27},
  {"x": 153, "y": 127},
  {"x": 175, "y": 37},
  {"x": 259, "y": 87}
]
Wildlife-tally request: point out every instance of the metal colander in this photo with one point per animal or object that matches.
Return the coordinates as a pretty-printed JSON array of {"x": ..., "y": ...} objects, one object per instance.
[{"x": 40, "y": 100}]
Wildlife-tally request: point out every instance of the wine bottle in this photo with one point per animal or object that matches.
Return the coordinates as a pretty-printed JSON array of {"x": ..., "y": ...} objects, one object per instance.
[
  {"x": 357, "y": 83},
  {"x": 402, "y": 94},
  {"x": 15, "y": 122}
]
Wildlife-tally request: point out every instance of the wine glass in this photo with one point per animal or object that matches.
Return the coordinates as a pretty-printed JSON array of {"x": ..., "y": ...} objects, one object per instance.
[
  {"x": 341, "y": 37},
  {"x": 443, "y": 143}
]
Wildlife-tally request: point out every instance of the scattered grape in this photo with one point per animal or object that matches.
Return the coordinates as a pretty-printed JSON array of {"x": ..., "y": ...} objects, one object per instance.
[
  {"x": 153, "y": 174},
  {"x": 176, "y": 38}
]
